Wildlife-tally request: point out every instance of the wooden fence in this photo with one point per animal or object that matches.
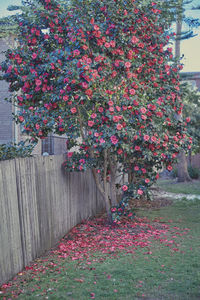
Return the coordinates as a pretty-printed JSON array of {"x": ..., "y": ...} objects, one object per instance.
[{"x": 38, "y": 205}]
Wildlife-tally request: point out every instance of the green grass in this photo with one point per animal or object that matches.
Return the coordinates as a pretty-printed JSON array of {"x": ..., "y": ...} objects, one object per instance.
[
  {"x": 153, "y": 273},
  {"x": 171, "y": 186}
]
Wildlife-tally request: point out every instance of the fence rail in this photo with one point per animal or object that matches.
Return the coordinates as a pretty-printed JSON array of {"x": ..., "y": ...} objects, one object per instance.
[{"x": 38, "y": 205}]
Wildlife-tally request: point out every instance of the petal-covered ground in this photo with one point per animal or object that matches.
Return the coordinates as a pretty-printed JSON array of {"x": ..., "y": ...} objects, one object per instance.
[
  {"x": 96, "y": 237},
  {"x": 94, "y": 241}
]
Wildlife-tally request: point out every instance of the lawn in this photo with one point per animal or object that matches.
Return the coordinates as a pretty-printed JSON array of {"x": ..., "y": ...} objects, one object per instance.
[
  {"x": 170, "y": 185},
  {"x": 155, "y": 256}
]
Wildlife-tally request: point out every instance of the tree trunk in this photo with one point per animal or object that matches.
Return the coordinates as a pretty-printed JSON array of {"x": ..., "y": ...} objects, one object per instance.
[
  {"x": 190, "y": 158},
  {"x": 183, "y": 174},
  {"x": 105, "y": 183},
  {"x": 104, "y": 194},
  {"x": 113, "y": 191},
  {"x": 182, "y": 168}
]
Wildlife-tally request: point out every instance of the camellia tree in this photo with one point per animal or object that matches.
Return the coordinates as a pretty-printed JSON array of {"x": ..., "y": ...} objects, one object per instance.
[{"x": 101, "y": 72}]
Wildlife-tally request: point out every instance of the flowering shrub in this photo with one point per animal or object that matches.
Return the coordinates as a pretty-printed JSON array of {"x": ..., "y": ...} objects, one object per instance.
[{"x": 101, "y": 70}]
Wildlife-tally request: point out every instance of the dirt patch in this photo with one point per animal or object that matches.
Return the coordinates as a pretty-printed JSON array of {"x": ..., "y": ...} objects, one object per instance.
[
  {"x": 159, "y": 199},
  {"x": 157, "y": 202}
]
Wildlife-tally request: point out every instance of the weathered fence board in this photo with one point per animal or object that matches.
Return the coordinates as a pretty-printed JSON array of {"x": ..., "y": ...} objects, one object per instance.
[
  {"x": 39, "y": 203},
  {"x": 11, "y": 258}
]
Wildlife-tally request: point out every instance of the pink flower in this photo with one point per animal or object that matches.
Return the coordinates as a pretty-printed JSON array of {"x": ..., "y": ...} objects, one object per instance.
[
  {"x": 169, "y": 168},
  {"x": 19, "y": 98},
  {"x": 146, "y": 137},
  {"x": 110, "y": 103},
  {"x": 140, "y": 192},
  {"x": 114, "y": 139},
  {"x": 124, "y": 188},
  {"x": 137, "y": 148},
  {"x": 147, "y": 180},
  {"x": 136, "y": 168},
  {"x": 65, "y": 98},
  {"x": 119, "y": 126},
  {"x": 113, "y": 209},
  {"x": 34, "y": 55},
  {"x": 69, "y": 154},
  {"x": 9, "y": 69},
  {"x": 143, "y": 170},
  {"x": 88, "y": 92},
  {"x": 82, "y": 160},
  {"x": 84, "y": 85},
  {"x": 102, "y": 141},
  {"x": 132, "y": 91},
  {"x": 112, "y": 44},
  {"x": 134, "y": 40},
  {"x": 127, "y": 64},
  {"x": 141, "y": 45},
  {"x": 90, "y": 123},
  {"x": 115, "y": 118},
  {"x": 119, "y": 151},
  {"x": 92, "y": 295},
  {"x": 73, "y": 110},
  {"x": 38, "y": 82},
  {"x": 188, "y": 119},
  {"x": 107, "y": 45},
  {"x": 84, "y": 47},
  {"x": 143, "y": 110},
  {"x": 76, "y": 52},
  {"x": 21, "y": 118},
  {"x": 153, "y": 139},
  {"x": 100, "y": 109},
  {"x": 93, "y": 116}
]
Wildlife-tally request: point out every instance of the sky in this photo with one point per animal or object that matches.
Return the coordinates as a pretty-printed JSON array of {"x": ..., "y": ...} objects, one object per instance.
[{"x": 190, "y": 48}]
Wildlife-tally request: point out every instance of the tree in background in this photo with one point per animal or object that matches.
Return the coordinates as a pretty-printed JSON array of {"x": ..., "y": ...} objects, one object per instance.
[
  {"x": 100, "y": 71},
  {"x": 183, "y": 174},
  {"x": 191, "y": 113}
]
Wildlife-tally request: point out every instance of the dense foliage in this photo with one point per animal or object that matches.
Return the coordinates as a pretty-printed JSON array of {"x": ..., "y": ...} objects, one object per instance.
[
  {"x": 12, "y": 150},
  {"x": 102, "y": 71}
]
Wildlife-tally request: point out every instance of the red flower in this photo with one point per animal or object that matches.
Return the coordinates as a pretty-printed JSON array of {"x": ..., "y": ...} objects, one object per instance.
[
  {"x": 21, "y": 118},
  {"x": 188, "y": 119},
  {"x": 88, "y": 92}
]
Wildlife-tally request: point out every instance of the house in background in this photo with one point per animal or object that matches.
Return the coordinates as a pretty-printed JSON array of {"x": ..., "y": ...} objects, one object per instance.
[
  {"x": 9, "y": 130},
  {"x": 192, "y": 77}
]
